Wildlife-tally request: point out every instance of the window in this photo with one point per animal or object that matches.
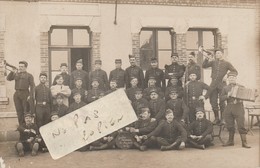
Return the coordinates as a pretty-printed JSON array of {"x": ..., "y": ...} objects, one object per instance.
[
  {"x": 156, "y": 43},
  {"x": 67, "y": 45},
  {"x": 207, "y": 38}
]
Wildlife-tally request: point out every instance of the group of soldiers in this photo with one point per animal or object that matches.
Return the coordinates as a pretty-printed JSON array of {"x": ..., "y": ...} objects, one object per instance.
[{"x": 170, "y": 115}]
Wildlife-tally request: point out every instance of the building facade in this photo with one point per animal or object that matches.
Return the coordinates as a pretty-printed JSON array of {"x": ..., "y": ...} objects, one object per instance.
[{"x": 48, "y": 32}]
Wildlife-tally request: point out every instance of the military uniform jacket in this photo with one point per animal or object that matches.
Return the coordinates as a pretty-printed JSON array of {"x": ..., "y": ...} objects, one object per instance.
[
  {"x": 43, "y": 94},
  {"x": 134, "y": 71},
  {"x": 23, "y": 80},
  {"x": 175, "y": 87},
  {"x": 193, "y": 90},
  {"x": 130, "y": 92},
  {"x": 79, "y": 74},
  {"x": 101, "y": 75},
  {"x": 179, "y": 108},
  {"x": 24, "y": 136},
  {"x": 172, "y": 130},
  {"x": 82, "y": 93},
  {"x": 94, "y": 94},
  {"x": 74, "y": 106},
  {"x": 201, "y": 127},
  {"x": 176, "y": 69},
  {"x": 119, "y": 75},
  {"x": 145, "y": 126},
  {"x": 224, "y": 93},
  {"x": 157, "y": 108},
  {"x": 66, "y": 78},
  {"x": 146, "y": 92},
  {"x": 219, "y": 70},
  {"x": 194, "y": 68},
  {"x": 137, "y": 104},
  {"x": 159, "y": 77},
  {"x": 60, "y": 109}
]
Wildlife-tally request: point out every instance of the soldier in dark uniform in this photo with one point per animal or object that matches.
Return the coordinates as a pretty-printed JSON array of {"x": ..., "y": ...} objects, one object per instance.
[
  {"x": 107, "y": 142},
  {"x": 54, "y": 115},
  {"x": 113, "y": 86},
  {"x": 23, "y": 81},
  {"x": 192, "y": 66},
  {"x": 151, "y": 86},
  {"x": 130, "y": 92},
  {"x": 139, "y": 102},
  {"x": 29, "y": 134},
  {"x": 77, "y": 104},
  {"x": 169, "y": 134},
  {"x": 43, "y": 100},
  {"x": 100, "y": 74},
  {"x": 193, "y": 96},
  {"x": 177, "y": 105},
  {"x": 60, "y": 107},
  {"x": 219, "y": 67},
  {"x": 157, "y": 106},
  {"x": 78, "y": 88},
  {"x": 118, "y": 74},
  {"x": 175, "y": 69},
  {"x": 79, "y": 72},
  {"x": 95, "y": 93},
  {"x": 134, "y": 71},
  {"x": 200, "y": 131},
  {"x": 142, "y": 126},
  {"x": 157, "y": 73},
  {"x": 64, "y": 74},
  {"x": 234, "y": 111},
  {"x": 174, "y": 86}
]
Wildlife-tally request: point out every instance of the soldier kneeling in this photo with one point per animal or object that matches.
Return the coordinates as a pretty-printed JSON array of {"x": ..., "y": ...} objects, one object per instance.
[{"x": 29, "y": 134}]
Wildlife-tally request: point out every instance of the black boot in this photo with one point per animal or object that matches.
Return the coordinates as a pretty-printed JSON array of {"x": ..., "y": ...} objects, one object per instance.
[
  {"x": 243, "y": 139},
  {"x": 216, "y": 121},
  {"x": 230, "y": 141}
]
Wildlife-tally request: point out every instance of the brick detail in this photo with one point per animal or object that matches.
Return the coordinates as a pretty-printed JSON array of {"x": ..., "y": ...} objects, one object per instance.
[
  {"x": 2, "y": 57},
  {"x": 95, "y": 42},
  {"x": 44, "y": 52},
  {"x": 195, "y": 3},
  {"x": 181, "y": 48},
  {"x": 136, "y": 47}
]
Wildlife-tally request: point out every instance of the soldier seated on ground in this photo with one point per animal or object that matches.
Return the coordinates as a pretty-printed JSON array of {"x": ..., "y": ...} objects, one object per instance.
[
  {"x": 143, "y": 126},
  {"x": 168, "y": 135},
  {"x": 200, "y": 131},
  {"x": 107, "y": 142},
  {"x": 29, "y": 137},
  {"x": 139, "y": 102}
]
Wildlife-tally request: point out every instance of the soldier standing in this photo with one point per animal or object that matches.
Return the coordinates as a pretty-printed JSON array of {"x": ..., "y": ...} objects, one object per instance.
[
  {"x": 157, "y": 73},
  {"x": 43, "y": 101},
  {"x": 79, "y": 72},
  {"x": 23, "y": 81},
  {"x": 118, "y": 74},
  {"x": 134, "y": 71},
  {"x": 64, "y": 74},
  {"x": 99, "y": 74},
  {"x": 175, "y": 69},
  {"x": 220, "y": 67}
]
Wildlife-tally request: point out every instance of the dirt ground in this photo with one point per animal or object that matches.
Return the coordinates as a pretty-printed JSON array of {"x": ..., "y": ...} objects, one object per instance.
[{"x": 213, "y": 157}]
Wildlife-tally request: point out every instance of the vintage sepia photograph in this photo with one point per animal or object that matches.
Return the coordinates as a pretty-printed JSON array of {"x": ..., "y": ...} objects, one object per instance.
[{"x": 129, "y": 83}]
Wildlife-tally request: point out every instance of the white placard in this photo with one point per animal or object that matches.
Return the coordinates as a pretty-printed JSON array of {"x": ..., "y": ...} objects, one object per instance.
[{"x": 88, "y": 124}]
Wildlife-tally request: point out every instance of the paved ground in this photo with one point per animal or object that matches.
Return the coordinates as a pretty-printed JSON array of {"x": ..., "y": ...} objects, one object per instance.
[{"x": 213, "y": 157}]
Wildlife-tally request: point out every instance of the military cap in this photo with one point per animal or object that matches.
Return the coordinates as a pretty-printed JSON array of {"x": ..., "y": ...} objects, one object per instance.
[
  {"x": 53, "y": 113},
  {"x": 192, "y": 72},
  {"x": 43, "y": 74},
  {"x": 76, "y": 93},
  {"x": 192, "y": 53},
  {"x": 199, "y": 109},
  {"x": 218, "y": 49},
  {"x": 174, "y": 90},
  {"x": 153, "y": 59},
  {"x": 78, "y": 78},
  {"x": 131, "y": 56},
  {"x": 24, "y": 62},
  {"x": 152, "y": 77},
  {"x": 28, "y": 115},
  {"x": 232, "y": 74},
  {"x": 113, "y": 80},
  {"x": 132, "y": 77},
  {"x": 95, "y": 79},
  {"x": 173, "y": 77},
  {"x": 118, "y": 61},
  {"x": 174, "y": 55},
  {"x": 138, "y": 90},
  {"x": 144, "y": 109},
  {"x": 79, "y": 61},
  {"x": 98, "y": 62},
  {"x": 168, "y": 111},
  {"x": 60, "y": 95},
  {"x": 63, "y": 64},
  {"x": 154, "y": 90}
]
